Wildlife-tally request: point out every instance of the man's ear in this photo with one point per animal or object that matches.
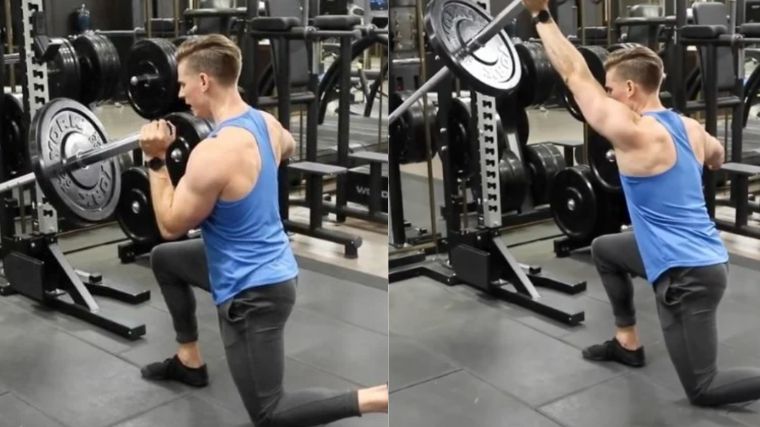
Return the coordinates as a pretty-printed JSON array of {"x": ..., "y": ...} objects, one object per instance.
[{"x": 204, "y": 81}]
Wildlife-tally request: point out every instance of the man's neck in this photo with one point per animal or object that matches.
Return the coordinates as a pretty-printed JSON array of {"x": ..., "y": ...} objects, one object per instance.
[
  {"x": 227, "y": 105},
  {"x": 651, "y": 103}
]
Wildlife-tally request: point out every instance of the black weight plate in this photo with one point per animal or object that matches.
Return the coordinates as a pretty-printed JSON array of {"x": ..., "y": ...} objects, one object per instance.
[
  {"x": 111, "y": 67},
  {"x": 14, "y": 151},
  {"x": 135, "y": 210},
  {"x": 514, "y": 182},
  {"x": 620, "y": 46},
  {"x": 64, "y": 74},
  {"x": 573, "y": 202},
  {"x": 493, "y": 69},
  {"x": 522, "y": 126},
  {"x": 158, "y": 97},
  {"x": 464, "y": 150},
  {"x": 595, "y": 57},
  {"x": 460, "y": 141},
  {"x": 62, "y": 128},
  {"x": 601, "y": 159},
  {"x": 539, "y": 77},
  {"x": 177, "y": 41},
  {"x": 190, "y": 131},
  {"x": 543, "y": 162},
  {"x": 94, "y": 65},
  {"x": 409, "y": 132}
]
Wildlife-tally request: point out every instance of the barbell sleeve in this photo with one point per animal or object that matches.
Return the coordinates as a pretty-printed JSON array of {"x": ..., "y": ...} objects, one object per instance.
[
  {"x": 78, "y": 161},
  {"x": 20, "y": 181}
]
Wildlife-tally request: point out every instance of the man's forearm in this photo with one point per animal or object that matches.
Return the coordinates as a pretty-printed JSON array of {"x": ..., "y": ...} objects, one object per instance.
[
  {"x": 161, "y": 194},
  {"x": 563, "y": 55}
]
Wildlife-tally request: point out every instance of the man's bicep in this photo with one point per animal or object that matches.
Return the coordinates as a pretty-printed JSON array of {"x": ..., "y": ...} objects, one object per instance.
[{"x": 195, "y": 196}]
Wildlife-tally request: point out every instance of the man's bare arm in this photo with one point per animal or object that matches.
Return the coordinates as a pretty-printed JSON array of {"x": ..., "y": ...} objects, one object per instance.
[
  {"x": 181, "y": 209},
  {"x": 610, "y": 118},
  {"x": 715, "y": 154},
  {"x": 280, "y": 137}
]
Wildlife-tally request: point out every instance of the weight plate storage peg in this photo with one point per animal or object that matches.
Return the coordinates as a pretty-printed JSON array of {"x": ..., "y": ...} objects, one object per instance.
[
  {"x": 62, "y": 129},
  {"x": 135, "y": 210},
  {"x": 190, "y": 131},
  {"x": 492, "y": 69},
  {"x": 151, "y": 78}
]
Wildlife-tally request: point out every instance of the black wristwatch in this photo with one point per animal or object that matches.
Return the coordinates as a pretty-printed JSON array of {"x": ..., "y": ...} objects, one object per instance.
[
  {"x": 155, "y": 164},
  {"x": 542, "y": 17}
]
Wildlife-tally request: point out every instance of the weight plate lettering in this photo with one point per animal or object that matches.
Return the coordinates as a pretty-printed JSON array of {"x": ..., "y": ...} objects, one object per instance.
[
  {"x": 63, "y": 128},
  {"x": 494, "y": 68}
]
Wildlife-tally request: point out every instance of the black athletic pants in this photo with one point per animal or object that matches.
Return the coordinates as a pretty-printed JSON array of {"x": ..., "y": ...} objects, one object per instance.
[
  {"x": 687, "y": 301},
  {"x": 251, "y": 325}
]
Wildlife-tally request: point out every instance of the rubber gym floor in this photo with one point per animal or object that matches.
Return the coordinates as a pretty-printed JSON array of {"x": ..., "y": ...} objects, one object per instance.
[
  {"x": 459, "y": 357},
  {"x": 56, "y": 370}
]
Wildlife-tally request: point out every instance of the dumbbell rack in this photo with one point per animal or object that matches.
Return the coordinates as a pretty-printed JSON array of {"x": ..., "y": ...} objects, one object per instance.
[{"x": 34, "y": 264}]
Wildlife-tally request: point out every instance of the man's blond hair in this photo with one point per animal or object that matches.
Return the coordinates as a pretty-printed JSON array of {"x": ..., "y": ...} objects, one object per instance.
[
  {"x": 213, "y": 54},
  {"x": 639, "y": 64}
]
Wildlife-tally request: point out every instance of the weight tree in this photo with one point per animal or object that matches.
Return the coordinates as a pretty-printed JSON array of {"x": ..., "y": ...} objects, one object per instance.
[
  {"x": 488, "y": 62},
  {"x": 34, "y": 263}
]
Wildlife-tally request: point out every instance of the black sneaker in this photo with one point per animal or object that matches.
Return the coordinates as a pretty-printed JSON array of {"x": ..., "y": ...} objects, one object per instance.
[
  {"x": 173, "y": 369},
  {"x": 612, "y": 350}
]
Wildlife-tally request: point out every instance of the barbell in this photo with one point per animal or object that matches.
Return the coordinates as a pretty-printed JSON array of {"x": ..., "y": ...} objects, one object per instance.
[
  {"x": 473, "y": 45},
  {"x": 75, "y": 165}
]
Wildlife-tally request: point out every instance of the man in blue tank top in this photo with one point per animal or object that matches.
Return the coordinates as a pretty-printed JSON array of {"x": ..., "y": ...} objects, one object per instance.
[
  {"x": 244, "y": 259},
  {"x": 674, "y": 243}
]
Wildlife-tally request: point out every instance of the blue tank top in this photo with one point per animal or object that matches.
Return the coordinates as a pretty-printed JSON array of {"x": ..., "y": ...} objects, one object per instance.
[
  {"x": 668, "y": 211},
  {"x": 246, "y": 244}
]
